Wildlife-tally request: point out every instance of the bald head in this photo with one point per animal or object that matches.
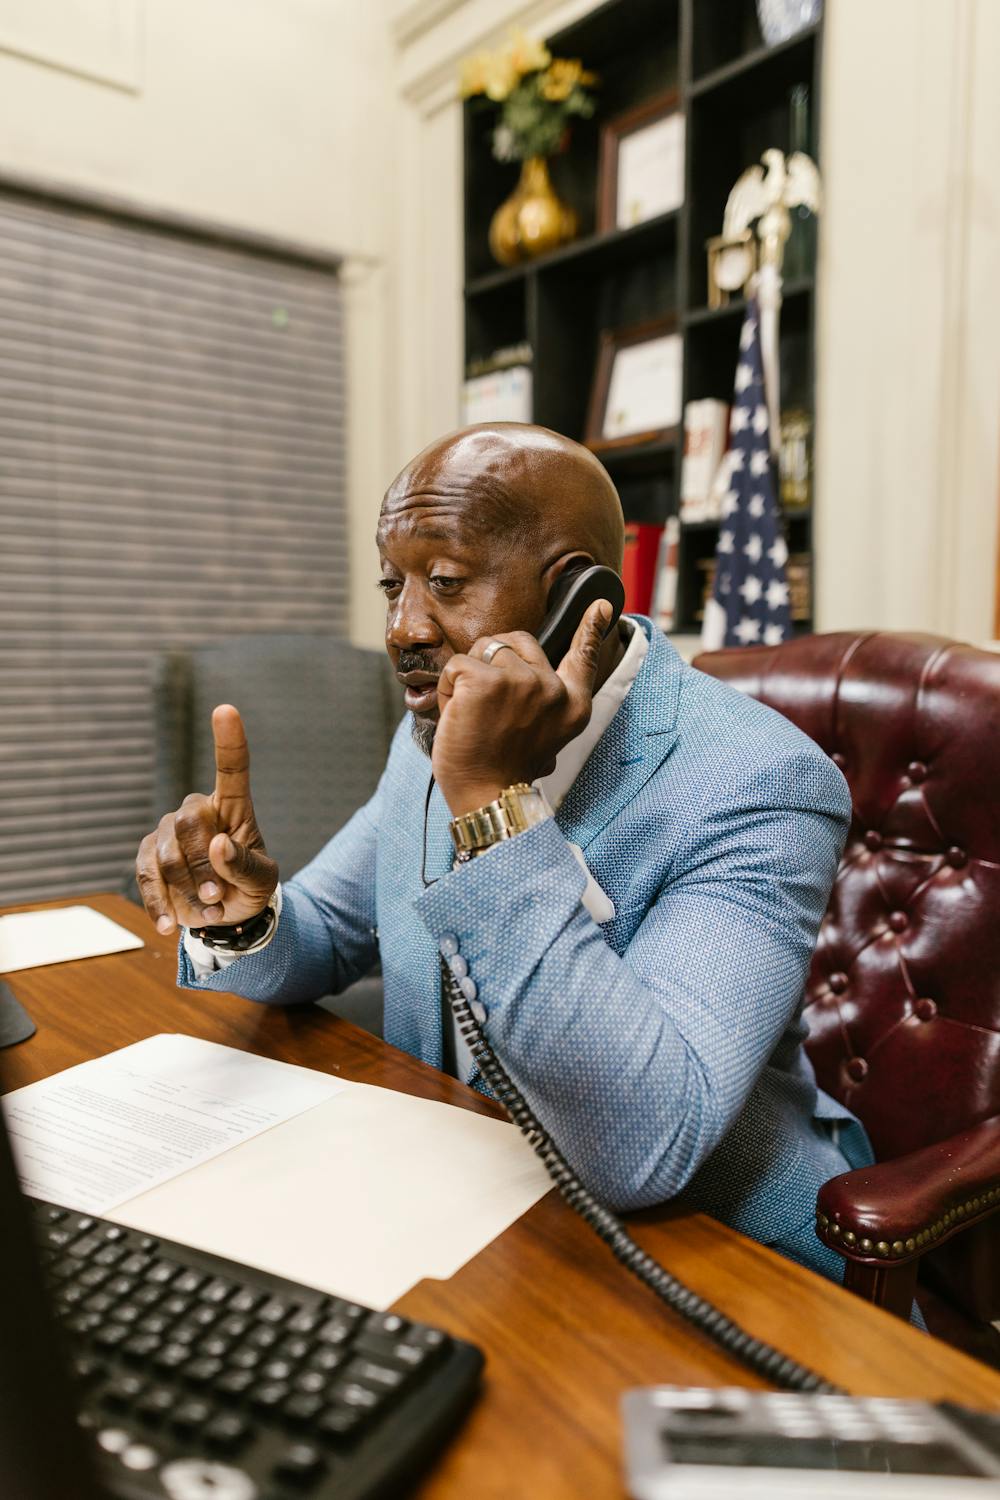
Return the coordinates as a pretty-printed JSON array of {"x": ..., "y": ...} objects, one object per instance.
[{"x": 523, "y": 487}]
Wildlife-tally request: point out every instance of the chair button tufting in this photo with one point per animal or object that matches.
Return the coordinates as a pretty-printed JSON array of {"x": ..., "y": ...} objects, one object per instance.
[
  {"x": 917, "y": 771},
  {"x": 925, "y": 1008},
  {"x": 838, "y": 983},
  {"x": 956, "y": 857},
  {"x": 898, "y": 921},
  {"x": 839, "y": 760},
  {"x": 873, "y": 839},
  {"x": 857, "y": 1069}
]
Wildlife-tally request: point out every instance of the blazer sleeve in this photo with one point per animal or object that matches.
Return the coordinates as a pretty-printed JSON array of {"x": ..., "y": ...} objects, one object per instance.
[
  {"x": 326, "y": 935},
  {"x": 639, "y": 1064}
]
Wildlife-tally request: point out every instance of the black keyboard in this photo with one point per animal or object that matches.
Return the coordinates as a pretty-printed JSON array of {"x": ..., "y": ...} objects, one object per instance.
[{"x": 202, "y": 1378}]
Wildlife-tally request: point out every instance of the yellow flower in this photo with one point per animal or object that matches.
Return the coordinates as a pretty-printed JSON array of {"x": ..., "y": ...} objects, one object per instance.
[
  {"x": 526, "y": 53},
  {"x": 562, "y": 77},
  {"x": 500, "y": 76},
  {"x": 472, "y": 78}
]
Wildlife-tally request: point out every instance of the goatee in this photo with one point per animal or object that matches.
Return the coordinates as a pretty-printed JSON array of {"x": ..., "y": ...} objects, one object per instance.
[{"x": 423, "y": 731}]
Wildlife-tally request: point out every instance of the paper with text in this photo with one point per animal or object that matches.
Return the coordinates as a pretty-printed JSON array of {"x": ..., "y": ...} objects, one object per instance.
[
  {"x": 29, "y": 939},
  {"x": 96, "y": 1135}
]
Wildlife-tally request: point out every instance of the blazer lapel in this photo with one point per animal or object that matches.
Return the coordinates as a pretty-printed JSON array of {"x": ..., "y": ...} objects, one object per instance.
[{"x": 636, "y": 742}]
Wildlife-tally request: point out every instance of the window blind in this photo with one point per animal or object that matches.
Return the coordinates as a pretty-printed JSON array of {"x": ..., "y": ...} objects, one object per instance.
[{"x": 171, "y": 472}]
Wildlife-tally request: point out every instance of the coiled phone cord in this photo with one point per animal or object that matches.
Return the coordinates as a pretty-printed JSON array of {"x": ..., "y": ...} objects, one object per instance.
[{"x": 780, "y": 1369}]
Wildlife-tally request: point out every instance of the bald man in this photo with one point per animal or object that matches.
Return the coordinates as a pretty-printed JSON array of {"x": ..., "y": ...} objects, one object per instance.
[{"x": 632, "y": 920}]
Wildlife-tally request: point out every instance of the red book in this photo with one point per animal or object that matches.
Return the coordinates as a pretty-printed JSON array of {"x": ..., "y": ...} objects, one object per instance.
[{"x": 642, "y": 545}]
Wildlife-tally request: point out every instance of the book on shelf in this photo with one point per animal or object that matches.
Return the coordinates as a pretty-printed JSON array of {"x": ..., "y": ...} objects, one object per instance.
[
  {"x": 706, "y": 433},
  {"x": 642, "y": 549},
  {"x": 499, "y": 396},
  {"x": 664, "y": 603}
]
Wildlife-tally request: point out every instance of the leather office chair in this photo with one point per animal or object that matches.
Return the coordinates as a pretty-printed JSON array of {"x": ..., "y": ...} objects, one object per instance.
[
  {"x": 903, "y": 997},
  {"x": 320, "y": 715}
]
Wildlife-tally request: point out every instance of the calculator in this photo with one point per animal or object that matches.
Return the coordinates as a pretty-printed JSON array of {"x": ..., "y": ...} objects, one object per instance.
[{"x": 689, "y": 1443}]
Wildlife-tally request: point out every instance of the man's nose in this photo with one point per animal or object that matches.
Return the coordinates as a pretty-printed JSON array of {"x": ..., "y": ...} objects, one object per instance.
[{"x": 410, "y": 623}]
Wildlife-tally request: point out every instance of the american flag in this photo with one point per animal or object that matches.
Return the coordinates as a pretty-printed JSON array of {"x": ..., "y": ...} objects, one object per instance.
[{"x": 749, "y": 603}]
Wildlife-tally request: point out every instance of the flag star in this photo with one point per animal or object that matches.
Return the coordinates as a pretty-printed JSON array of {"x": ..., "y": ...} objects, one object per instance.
[
  {"x": 754, "y": 548},
  {"x": 777, "y": 593},
  {"x": 726, "y": 540},
  {"x": 773, "y": 635},
  {"x": 744, "y": 376},
  {"x": 756, "y": 506},
  {"x": 739, "y": 419},
  {"x": 730, "y": 500},
  {"x": 736, "y": 457},
  {"x": 752, "y": 588},
  {"x": 758, "y": 462},
  {"x": 760, "y": 421},
  {"x": 747, "y": 332},
  {"x": 779, "y": 552},
  {"x": 748, "y": 630}
]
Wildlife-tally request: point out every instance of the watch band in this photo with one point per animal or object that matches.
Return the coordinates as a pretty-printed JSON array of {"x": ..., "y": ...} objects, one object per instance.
[
  {"x": 517, "y": 809},
  {"x": 250, "y": 936}
]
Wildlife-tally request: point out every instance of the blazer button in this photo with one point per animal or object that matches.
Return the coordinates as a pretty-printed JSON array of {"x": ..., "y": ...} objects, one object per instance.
[
  {"x": 899, "y": 921},
  {"x": 857, "y": 1069},
  {"x": 925, "y": 1008},
  {"x": 458, "y": 966},
  {"x": 478, "y": 1011},
  {"x": 468, "y": 988},
  {"x": 448, "y": 945},
  {"x": 838, "y": 983}
]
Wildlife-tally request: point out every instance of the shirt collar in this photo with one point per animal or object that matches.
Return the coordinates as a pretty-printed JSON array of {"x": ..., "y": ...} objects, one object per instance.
[{"x": 607, "y": 701}]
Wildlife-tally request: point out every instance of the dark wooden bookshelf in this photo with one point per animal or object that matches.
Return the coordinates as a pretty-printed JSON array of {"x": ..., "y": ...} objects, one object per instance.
[{"x": 735, "y": 94}]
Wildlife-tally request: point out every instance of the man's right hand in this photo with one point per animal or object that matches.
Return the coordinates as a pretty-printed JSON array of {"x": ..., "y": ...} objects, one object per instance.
[{"x": 206, "y": 863}]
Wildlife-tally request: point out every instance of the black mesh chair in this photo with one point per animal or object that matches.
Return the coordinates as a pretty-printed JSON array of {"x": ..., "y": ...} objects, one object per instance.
[{"x": 320, "y": 714}]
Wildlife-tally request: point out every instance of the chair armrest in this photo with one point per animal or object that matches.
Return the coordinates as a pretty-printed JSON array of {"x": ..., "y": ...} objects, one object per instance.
[{"x": 897, "y": 1210}]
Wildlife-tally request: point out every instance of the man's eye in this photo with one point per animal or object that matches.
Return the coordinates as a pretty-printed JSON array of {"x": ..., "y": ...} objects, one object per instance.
[
  {"x": 389, "y": 586},
  {"x": 443, "y": 584}
]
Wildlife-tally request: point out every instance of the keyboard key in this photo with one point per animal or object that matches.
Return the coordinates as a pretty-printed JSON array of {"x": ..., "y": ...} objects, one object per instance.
[
  {"x": 120, "y": 1286},
  {"x": 302, "y": 1407},
  {"x": 340, "y": 1422},
  {"x": 215, "y": 1346},
  {"x": 387, "y": 1323},
  {"x": 113, "y": 1232},
  {"x": 234, "y": 1382},
  {"x": 278, "y": 1369},
  {"x": 136, "y": 1264},
  {"x": 245, "y": 1301},
  {"x": 110, "y": 1336},
  {"x": 263, "y": 1337},
  {"x": 191, "y": 1413},
  {"x": 173, "y": 1306},
  {"x": 300, "y": 1461},
  {"x": 295, "y": 1349},
  {"x": 93, "y": 1276},
  {"x": 188, "y": 1282},
  {"x": 379, "y": 1377},
  {"x": 227, "y": 1431},
  {"x": 110, "y": 1255},
  {"x": 141, "y": 1345},
  {"x": 202, "y": 1371},
  {"x": 56, "y": 1238},
  {"x": 157, "y": 1403},
  {"x": 410, "y": 1355},
  {"x": 310, "y": 1382},
  {"x": 172, "y": 1356},
  {"x": 246, "y": 1358},
  {"x": 357, "y": 1396},
  {"x": 148, "y": 1295},
  {"x": 217, "y": 1291},
  {"x": 275, "y": 1310},
  {"x": 306, "y": 1321},
  {"x": 336, "y": 1331},
  {"x": 85, "y": 1246},
  {"x": 185, "y": 1333},
  {"x": 83, "y": 1224},
  {"x": 99, "y": 1302},
  {"x": 233, "y": 1327},
  {"x": 327, "y": 1358},
  {"x": 270, "y": 1395},
  {"x": 159, "y": 1272},
  {"x": 123, "y": 1392}
]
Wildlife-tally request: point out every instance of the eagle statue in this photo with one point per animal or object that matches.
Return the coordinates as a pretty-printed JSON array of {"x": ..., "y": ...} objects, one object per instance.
[{"x": 767, "y": 196}]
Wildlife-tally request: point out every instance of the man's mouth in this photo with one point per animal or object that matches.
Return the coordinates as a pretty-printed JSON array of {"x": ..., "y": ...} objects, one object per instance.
[{"x": 421, "y": 691}]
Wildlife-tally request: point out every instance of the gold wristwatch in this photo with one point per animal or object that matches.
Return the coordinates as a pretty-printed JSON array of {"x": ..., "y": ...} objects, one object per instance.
[{"x": 517, "y": 809}]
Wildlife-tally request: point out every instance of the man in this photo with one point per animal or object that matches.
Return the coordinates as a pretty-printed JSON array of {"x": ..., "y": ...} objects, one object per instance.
[{"x": 637, "y": 961}]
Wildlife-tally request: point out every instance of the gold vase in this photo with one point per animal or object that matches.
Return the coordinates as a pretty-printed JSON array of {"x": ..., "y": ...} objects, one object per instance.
[{"x": 533, "y": 220}]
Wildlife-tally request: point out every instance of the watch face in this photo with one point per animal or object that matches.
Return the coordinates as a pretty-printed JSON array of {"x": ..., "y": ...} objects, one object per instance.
[{"x": 732, "y": 267}]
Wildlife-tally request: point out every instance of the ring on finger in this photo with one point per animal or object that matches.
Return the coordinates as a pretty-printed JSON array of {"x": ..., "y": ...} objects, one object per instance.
[{"x": 493, "y": 648}]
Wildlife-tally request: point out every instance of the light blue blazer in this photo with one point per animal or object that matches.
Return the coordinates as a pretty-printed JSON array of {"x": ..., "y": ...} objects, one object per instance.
[{"x": 663, "y": 1048}]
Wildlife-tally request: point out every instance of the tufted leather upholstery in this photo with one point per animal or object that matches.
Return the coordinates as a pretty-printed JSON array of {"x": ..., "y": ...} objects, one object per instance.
[{"x": 903, "y": 998}]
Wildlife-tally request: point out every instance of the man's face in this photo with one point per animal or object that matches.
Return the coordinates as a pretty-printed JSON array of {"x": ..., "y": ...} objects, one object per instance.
[{"x": 446, "y": 584}]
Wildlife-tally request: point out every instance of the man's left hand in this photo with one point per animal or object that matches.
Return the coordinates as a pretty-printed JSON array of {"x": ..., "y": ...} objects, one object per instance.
[{"x": 506, "y": 720}]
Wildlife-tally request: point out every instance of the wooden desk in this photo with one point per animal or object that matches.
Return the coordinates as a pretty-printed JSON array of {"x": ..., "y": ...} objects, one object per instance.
[{"x": 564, "y": 1328}]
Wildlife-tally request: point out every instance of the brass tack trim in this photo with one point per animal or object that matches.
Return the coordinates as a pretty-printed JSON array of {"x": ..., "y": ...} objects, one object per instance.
[{"x": 922, "y": 1237}]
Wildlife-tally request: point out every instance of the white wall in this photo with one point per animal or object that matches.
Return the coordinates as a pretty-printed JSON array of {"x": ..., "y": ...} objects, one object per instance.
[
  {"x": 268, "y": 115},
  {"x": 909, "y": 335}
]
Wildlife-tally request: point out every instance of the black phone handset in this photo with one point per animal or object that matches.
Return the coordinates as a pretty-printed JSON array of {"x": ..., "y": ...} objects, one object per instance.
[{"x": 572, "y": 598}]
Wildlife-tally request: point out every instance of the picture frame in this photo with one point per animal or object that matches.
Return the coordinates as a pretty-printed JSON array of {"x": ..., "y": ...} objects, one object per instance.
[
  {"x": 635, "y": 395},
  {"x": 641, "y": 163}
]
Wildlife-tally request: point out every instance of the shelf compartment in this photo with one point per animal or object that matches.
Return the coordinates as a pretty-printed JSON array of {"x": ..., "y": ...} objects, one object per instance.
[
  {"x": 696, "y": 317},
  {"x": 760, "y": 71},
  {"x": 594, "y": 255}
]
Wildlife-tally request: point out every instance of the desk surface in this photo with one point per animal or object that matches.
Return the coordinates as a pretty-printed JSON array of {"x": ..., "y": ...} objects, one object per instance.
[{"x": 564, "y": 1328}]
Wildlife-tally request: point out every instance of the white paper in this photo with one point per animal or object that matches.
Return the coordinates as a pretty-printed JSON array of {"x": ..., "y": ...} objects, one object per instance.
[
  {"x": 651, "y": 171},
  {"x": 644, "y": 393},
  {"x": 362, "y": 1197},
  {"x": 31, "y": 938},
  {"x": 94, "y": 1136}
]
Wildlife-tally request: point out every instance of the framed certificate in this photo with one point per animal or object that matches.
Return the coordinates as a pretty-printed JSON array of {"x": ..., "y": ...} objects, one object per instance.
[
  {"x": 636, "y": 394},
  {"x": 641, "y": 170}
]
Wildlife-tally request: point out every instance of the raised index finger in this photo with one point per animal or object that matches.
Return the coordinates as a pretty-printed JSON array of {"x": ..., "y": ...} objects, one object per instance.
[{"x": 232, "y": 757}]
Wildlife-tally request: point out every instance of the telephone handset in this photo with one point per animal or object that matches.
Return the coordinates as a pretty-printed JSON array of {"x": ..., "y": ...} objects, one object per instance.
[
  {"x": 569, "y": 601},
  {"x": 571, "y": 598}
]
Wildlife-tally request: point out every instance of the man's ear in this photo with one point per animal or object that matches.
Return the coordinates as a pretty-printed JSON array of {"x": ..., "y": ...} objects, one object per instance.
[{"x": 561, "y": 569}]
